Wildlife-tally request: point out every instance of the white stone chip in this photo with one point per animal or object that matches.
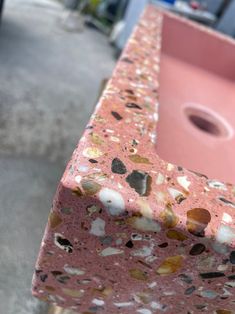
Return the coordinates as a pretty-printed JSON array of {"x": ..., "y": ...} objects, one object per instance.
[
  {"x": 209, "y": 294},
  {"x": 123, "y": 304},
  {"x": 78, "y": 179},
  {"x": 144, "y": 251},
  {"x": 230, "y": 284},
  {"x": 82, "y": 168},
  {"x": 227, "y": 218},
  {"x": 144, "y": 311},
  {"x": 98, "y": 227},
  {"x": 98, "y": 302},
  {"x": 184, "y": 182},
  {"x": 152, "y": 284},
  {"x": 220, "y": 248},
  {"x": 217, "y": 185},
  {"x": 110, "y": 251},
  {"x": 73, "y": 270},
  {"x": 157, "y": 305},
  {"x": 113, "y": 201},
  {"x": 174, "y": 193},
  {"x": 225, "y": 234},
  {"x": 160, "y": 179},
  {"x": 170, "y": 167}
]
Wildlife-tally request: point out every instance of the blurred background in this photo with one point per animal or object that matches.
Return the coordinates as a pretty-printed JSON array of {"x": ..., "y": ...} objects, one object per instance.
[{"x": 54, "y": 58}]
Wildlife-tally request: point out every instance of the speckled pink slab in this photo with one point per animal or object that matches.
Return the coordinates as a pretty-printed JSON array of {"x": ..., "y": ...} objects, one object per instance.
[{"x": 128, "y": 231}]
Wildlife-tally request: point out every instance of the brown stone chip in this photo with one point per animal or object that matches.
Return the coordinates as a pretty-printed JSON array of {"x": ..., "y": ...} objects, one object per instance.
[
  {"x": 139, "y": 159},
  {"x": 90, "y": 187},
  {"x": 197, "y": 221},
  {"x": 54, "y": 220},
  {"x": 138, "y": 274}
]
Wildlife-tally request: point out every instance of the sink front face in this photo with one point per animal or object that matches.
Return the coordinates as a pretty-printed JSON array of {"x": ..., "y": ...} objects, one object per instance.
[{"x": 197, "y": 100}]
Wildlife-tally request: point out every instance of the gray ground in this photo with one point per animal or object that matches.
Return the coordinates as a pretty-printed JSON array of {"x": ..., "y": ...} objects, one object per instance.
[{"x": 49, "y": 81}]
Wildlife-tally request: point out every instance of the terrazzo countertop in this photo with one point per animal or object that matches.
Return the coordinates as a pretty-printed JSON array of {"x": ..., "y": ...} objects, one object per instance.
[{"x": 129, "y": 232}]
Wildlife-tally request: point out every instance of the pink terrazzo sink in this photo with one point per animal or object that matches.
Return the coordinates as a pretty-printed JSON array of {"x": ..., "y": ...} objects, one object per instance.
[{"x": 132, "y": 230}]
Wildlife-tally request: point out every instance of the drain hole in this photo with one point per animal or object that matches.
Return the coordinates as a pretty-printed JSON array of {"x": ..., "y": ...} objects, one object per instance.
[
  {"x": 207, "y": 121},
  {"x": 205, "y": 125}
]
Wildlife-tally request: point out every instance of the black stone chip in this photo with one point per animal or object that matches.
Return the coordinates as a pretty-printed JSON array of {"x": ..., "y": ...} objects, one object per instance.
[
  {"x": 190, "y": 290},
  {"x": 43, "y": 277},
  {"x": 197, "y": 249},
  {"x": 185, "y": 278},
  {"x": 231, "y": 277},
  {"x": 140, "y": 181},
  {"x": 56, "y": 273},
  {"x": 199, "y": 174},
  {"x": 163, "y": 245},
  {"x": 227, "y": 202},
  {"x": 116, "y": 115},
  {"x": 62, "y": 279},
  {"x": 93, "y": 161},
  {"x": 200, "y": 306},
  {"x": 133, "y": 105},
  {"x": 212, "y": 275},
  {"x": 127, "y": 60},
  {"x": 129, "y": 244},
  {"x": 232, "y": 257},
  {"x": 65, "y": 243},
  {"x": 118, "y": 166}
]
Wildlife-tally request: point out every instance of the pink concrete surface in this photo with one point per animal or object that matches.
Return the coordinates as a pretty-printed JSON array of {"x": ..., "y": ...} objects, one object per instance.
[{"x": 129, "y": 232}]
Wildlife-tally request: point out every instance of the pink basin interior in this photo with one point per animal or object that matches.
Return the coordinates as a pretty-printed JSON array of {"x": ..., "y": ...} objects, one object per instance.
[{"x": 197, "y": 95}]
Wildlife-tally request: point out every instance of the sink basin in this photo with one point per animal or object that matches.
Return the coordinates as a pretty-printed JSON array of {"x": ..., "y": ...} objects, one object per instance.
[
  {"x": 197, "y": 98},
  {"x": 143, "y": 217}
]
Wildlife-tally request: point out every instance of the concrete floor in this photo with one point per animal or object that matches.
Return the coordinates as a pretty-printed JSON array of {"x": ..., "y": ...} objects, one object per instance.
[{"x": 49, "y": 81}]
